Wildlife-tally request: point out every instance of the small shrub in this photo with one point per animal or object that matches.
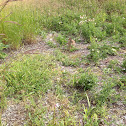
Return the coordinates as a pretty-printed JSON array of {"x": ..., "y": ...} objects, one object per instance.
[{"x": 85, "y": 81}]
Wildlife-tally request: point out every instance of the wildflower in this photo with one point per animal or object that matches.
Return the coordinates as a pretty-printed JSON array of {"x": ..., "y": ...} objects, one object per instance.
[
  {"x": 58, "y": 79},
  {"x": 51, "y": 39},
  {"x": 97, "y": 51},
  {"x": 57, "y": 105},
  {"x": 81, "y": 17},
  {"x": 64, "y": 71},
  {"x": 60, "y": 22},
  {"x": 84, "y": 16},
  {"x": 81, "y": 22},
  {"x": 114, "y": 50}
]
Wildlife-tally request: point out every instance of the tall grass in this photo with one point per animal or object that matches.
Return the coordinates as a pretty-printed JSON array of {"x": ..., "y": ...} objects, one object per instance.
[
  {"x": 25, "y": 26},
  {"x": 30, "y": 17}
]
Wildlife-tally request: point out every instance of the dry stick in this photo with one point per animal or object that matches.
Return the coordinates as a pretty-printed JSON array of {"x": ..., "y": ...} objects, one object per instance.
[
  {"x": 6, "y": 17},
  {"x": 2, "y": 34},
  {"x": 4, "y": 5},
  {"x": 13, "y": 22}
]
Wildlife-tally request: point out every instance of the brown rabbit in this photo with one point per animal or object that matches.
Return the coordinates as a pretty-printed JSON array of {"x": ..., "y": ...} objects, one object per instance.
[{"x": 71, "y": 43}]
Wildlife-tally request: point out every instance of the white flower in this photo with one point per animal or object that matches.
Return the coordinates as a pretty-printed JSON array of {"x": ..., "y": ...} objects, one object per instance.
[
  {"x": 57, "y": 105},
  {"x": 60, "y": 22},
  {"x": 114, "y": 50},
  {"x": 84, "y": 16},
  {"x": 51, "y": 39},
  {"x": 64, "y": 71},
  {"x": 58, "y": 79},
  {"x": 81, "y": 22},
  {"x": 81, "y": 17}
]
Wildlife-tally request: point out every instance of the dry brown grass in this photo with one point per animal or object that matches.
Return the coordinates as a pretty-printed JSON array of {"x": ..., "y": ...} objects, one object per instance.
[{"x": 50, "y": 5}]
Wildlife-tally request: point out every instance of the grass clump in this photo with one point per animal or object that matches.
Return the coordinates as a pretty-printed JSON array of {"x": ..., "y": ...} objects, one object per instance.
[
  {"x": 51, "y": 44},
  {"x": 28, "y": 75},
  {"x": 65, "y": 60},
  {"x": 114, "y": 64},
  {"x": 122, "y": 41},
  {"x": 61, "y": 39},
  {"x": 20, "y": 26},
  {"x": 98, "y": 52},
  {"x": 121, "y": 82},
  {"x": 124, "y": 65},
  {"x": 2, "y": 47},
  {"x": 85, "y": 81},
  {"x": 105, "y": 95}
]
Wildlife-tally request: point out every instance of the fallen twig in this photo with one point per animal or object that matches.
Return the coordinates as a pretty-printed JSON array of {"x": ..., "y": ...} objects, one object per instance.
[
  {"x": 4, "y": 4},
  {"x": 13, "y": 22},
  {"x": 5, "y": 16}
]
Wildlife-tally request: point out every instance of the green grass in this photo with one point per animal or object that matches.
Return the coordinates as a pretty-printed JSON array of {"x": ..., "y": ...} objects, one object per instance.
[
  {"x": 66, "y": 60},
  {"x": 98, "y": 51},
  {"x": 88, "y": 19},
  {"x": 50, "y": 92},
  {"x": 85, "y": 81},
  {"x": 28, "y": 75}
]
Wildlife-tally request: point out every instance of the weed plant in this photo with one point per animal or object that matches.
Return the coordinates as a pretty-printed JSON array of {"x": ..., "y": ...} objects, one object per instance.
[
  {"x": 2, "y": 47},
  {"x": 28, "y": 75},
  {"x": 61, "y": 39},
  {"x": 85, "y": 81},
  {"x": 30, "y": 79},
  {"x": 85, "y": 18},
  {"x": 98, "y": 52},
  {"x": 65, "y": 60},
  {"x": 105, "y": 95},
  {"x": 121, "y": 82},
  {"x": 122, "y": 41},
  {"x": 124, "y": 65},
  {"x": 114, "y": 64},
  {"x": 51, "y": 44}
]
